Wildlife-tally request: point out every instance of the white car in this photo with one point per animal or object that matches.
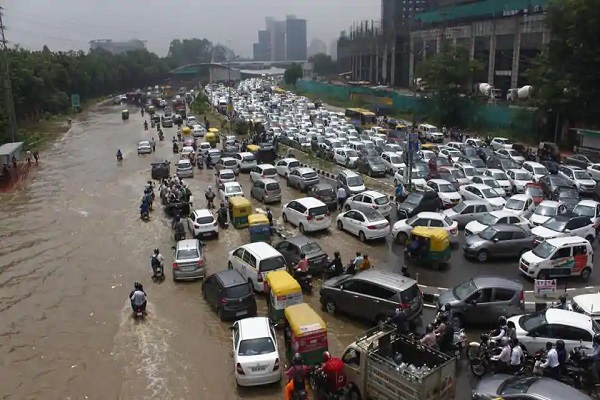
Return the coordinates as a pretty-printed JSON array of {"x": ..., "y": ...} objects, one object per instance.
[
  {"x": 501, "y": 178},
  {"x": 456, "y": 173},
  {"x": 401, "y": 229},
  {"x": 224, "y": 175},
  {"x": 468, "y": 170},
  {"x": 144, "y": 147},
  {"x": 198, "y": 130},
  {"x": 594, "y": 171},
  {"x": 491, "y": 182},
  {"x": 426, "y": 155},
  {"x": 493, "y": 218},
  {"x": 230, "y": 189},
  {"x": 446, "y": 192},
  {"x": 285, "y": 165},
  {"x": 184, "y": 169},
  {"x": 482, "y": 192},
  {"x": 366, "y": 224},
  {"x": 536, "y": 169},
  {"x": 263, "y": 171},
  {"x": 255, "y": 353},
  {"x": 202, "y": 223},
  {"x": 498, "y": 143},
  {"x": 370, "y": 200},
  {"x": 591, "y": 209},
  {"x": 546, "y": 210},
  {"x": 245, "y": 161},
  {"x": 186, "y": 151},
  {"x": 512, "y": 154},
  {"x": 520, "y": 204},
  {"x": 345, "y": 156},
  {"x": 519, "y": 178},
  {"x": 567, "y": 224},
  {"x": 453, "y": 153},
  {"x": 308, "y": 214},
  {"x": 392, "y": 161},
  {"x": 578, "y": 177},
  {"x": 418, "y": 178}
]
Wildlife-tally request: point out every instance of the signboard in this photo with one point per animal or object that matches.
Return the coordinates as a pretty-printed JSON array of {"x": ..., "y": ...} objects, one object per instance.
[
  {"x": 75, "y": 101},
  {"x": 543, "y": 287}
]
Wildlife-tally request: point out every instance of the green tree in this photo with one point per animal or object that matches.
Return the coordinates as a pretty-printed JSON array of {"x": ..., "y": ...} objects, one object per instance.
[
  {"x": 323, "y": 64},
  {"x": 292, "y": 74},
  {"x": 189, "y": 51},
  {"x": 447, "y": 76},
  {"x": 565, "y": 75}
]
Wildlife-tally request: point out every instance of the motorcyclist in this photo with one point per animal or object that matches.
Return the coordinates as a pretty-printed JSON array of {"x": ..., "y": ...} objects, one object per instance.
[
  {"x": 144, "y": 208},
  {"x": 222, "y": 214},
  {"x": 157, "y": 261},
  {"x": 516, "y": 355},
  {"x": 502, "y": 360},
  {"x": 335, "y": 267},
  {"x": 119, "y": 155},
  {"x": 208, "y": 161},
  {"x": 297, "y": 374},
  {"x": 551, "y": 366},
  {"x": 179, "y": 229},
  {"x": 334, "y": 368},
  {"x": 175, "y": 147},
  {"x": 137, "y": 297},
  {"x": 502, "y": 329},
  {"x": 145, "y": 125},
  {"x": 210, "y": 196},
  {"x": 562, "y": 302},
  {"x": 352, "y": 268}
]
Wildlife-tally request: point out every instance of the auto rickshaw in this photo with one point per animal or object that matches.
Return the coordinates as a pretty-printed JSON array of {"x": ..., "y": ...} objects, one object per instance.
[
  {"x": 431, "y": 146},
  {"x": 125, "y": 114},
  {"x": 185, "y": 131},
  {"x": 211, "y": 137},
  {"x": 428, "y": 246},
  {"x": 305, "y": 333},
  {"x": 284, "y": 291},
  {"x": 239, "y": 210},
  {"x": 259, "y": 228},
  {"x": 252, "y": 148}
]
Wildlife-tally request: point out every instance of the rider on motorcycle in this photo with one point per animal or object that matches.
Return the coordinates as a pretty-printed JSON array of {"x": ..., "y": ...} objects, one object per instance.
[
  {"x": 137, "y": 297},
  {"x": 144, "y": 208},
  {"x": 552, "y": 365},
  {"x": 562, "y": 303},
  {"x": 210, "y": 196},
  {"x": 334, "y": 368},
  {"x": 297, "y": 374},
  {"x": 179, "y": 228},
  {"x": 335, "y": 267},
  {"x": 596, "y": 358},
  {"x": 502, "y": 329},
  {"x": 157, "y": 261},
  {"x": 502, "y": 360},
  {"x": 222, "y": 214},
  {"x": 145, "y": 125},
  {"x": 119, "y": 155}
]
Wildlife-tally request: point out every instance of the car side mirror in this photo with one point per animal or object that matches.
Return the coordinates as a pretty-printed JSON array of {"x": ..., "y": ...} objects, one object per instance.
[
  {"x": 173, "y": 248},
  {"x": 496, "y": 240},
  {"x": 473, "y": 302}
]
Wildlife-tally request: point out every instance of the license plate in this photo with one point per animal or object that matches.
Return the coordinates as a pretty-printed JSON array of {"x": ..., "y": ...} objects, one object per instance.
[
  {"x": 319, "y": 218},
  {"x": 258, "y": 369},
  {"x": 237, "y": 314}
]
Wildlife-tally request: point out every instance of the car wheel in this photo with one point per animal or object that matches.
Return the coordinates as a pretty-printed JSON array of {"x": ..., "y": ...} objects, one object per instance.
[
  {"x": 482, "y": 256},
  {"x": 362, "y": 237},
  {"x": 585, "y": 274},
  {"x": 340, "y": 226},
  {"x": 301, "y": 228},
  {"x": 347, "y": 207},
  {"x": 401, "y": 238},
  {"x": 284, "y": 216},
  {"x": 229, "y": 265},
  {"x": 330, "y": 306},
  {"x": 220, "y": 313}
]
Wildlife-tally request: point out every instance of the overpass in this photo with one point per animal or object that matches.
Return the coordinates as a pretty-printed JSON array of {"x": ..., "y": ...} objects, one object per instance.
[{"x": 199, "y": 68}]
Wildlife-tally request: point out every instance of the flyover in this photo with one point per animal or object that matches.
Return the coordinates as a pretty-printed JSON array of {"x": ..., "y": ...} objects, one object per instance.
[{"x": 198, "y": 68}]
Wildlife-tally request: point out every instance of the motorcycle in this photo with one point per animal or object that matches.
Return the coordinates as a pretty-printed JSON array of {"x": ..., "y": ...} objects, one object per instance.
[
  {"x": 145, "y": 215},
  {"x": 305, "y": 280},
  {"x": 179, "y": 236},
  {"x": 319, "y": 385},
  {"x": 175, "y": 148},
  {"x": 138, "y": 312},
  {"x": 159, "y": 275},
  {"x": 222, "y": 220},
  {"x": 476, "y": 349},
  {"x": 145, "y": 126},
  {"x": 579, "y": 368},
  {"x": 200, "y": 163},
  {"x": 119, "y": 158}
]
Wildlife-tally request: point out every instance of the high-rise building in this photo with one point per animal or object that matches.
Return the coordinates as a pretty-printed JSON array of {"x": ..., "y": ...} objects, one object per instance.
[
  {"x": 117, "y": 47},
  {"x": 317, "y": 47},
  {"x": 262, "y": 49},
  {"x": 295, "y": 33},
  {"x": 278, "y": 41},
  {"x": 396, "y": 11},
  {"x": 333, "y": 49}
]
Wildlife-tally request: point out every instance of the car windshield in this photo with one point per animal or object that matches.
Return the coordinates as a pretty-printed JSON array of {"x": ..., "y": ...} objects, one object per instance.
[
  {"x": 187, "y": 254},
  {"x": 491, "y": 183},
  {"x": 514, "y": 204},
  {"x": 235, "y": 292},
  {"x": 326, "y": 192},
  {"x": 249, "y": 158},
  {"x": 273, "y": 186},
  {"x": 488, "y": 233},
  {"x": 459, "y": 207},
  {"x": 568, "y": 194},
  {"x": 255, "y": 347},
  {"x": 233, "y": 189},
  {"x": 522, "y": 176},
  {"x": 469, "y": 171},
  {"x": 517, "y": 385},
  {"x": 532, "y": 321},
  {"x": 205, "y": 220},
  {"x": 354, "y": 181},
  {"x": 545, "y": 210},
  {"x": 446, "y": 188},
  {"x": 581, "y": 174},
  {"x": 477, "y": 163},
  {"x": 534, "y": 191},
  {"x": 395, "y": 160},
  {"x": 487, "y": 219},
  {"x": 499, "y": 175},
  {"x": 457, "y": 173},
  {"x": 375, "y": 161},
  {"x": 464, "y": 290},
  {"x": 449, "y": 177},
  {"x": 310, "y": 248},
  {"x": 540, "y": 171},
  {"x": 489, "y": 193},
  {"x": 585, "y": 211},
  {"x": 228, "y": 175},
  {"x": 351, "y": 153},
  {"x": 414, "y": 199},
  {"x": 558, "y": 225}
]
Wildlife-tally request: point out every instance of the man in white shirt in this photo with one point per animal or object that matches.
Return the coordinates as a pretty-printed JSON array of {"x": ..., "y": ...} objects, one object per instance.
[
  {"x": 551, "y": 366},
  {"x": 516, "y": 357},
  {"x": 503, "y": 359},
  {"x": 341, "y": 197}
]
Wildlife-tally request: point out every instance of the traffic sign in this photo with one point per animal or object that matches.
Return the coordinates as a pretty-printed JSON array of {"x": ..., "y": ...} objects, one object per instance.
[
  {"x": 413, "y": 146},
  {"x": 413, "y": 136},
  {"x": 75, "y": 100},
  {"x": 543, "y": 287}
]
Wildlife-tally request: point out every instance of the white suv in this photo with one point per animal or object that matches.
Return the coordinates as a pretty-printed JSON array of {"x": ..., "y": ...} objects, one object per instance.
[{"x": 308, "y": 214}]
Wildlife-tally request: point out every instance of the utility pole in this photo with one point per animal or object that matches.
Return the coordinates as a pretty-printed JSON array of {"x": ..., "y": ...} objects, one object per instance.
[{"x": 9, "y": 102}]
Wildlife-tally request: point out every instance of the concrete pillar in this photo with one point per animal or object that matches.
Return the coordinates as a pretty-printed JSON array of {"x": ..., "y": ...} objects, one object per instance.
[
  {"x": 492, "y": 58},
  {"x": 411, "y": 61},
  {"x": 372, "y": 67},
  {"x": 472, "y": 47},
  {"x": 377, "y": 65},
  {"x": 393, "y": 67},
  {"x": 514, "y": 76}
]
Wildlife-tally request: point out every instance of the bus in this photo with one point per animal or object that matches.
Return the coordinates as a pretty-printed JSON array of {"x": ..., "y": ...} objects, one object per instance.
[{"x": 361, "y": 117}]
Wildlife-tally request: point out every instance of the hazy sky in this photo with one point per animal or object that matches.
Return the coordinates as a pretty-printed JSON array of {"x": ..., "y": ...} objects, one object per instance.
[{"x": 71, "y": 24}]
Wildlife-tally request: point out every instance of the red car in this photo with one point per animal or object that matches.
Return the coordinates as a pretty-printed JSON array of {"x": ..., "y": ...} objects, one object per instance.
[{"x": 535, "y": 191}]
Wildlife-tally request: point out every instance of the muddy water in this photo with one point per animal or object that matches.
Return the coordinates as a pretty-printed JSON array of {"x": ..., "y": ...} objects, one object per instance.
[{"x": 71, "y": 244}]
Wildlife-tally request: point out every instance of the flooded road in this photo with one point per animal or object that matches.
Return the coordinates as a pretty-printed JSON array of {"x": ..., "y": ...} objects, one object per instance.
[{"x": 72, "y": 244}]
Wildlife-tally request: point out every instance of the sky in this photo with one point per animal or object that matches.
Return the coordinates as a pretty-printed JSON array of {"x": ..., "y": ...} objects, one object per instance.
[{"x": 71, "y": 24}]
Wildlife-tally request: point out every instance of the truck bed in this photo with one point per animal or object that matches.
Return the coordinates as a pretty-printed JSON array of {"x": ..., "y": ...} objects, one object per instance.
[{"x": 432, "y": 377}]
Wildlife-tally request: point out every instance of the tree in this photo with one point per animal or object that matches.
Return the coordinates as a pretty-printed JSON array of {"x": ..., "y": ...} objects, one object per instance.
[
  {"x": 292, "y": 74},
  {"x": 189, "y": 51},
  {"x": 447, "y": 76},
  {"x": 323, "y": 64},
  {"x": 565, "y": 75}
]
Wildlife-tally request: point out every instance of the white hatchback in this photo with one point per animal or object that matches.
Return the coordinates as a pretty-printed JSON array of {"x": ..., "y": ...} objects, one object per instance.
[
  {"x": 308, "y": 214},
  {"x": 255, "y": 352},
  {"x": 285, "y": 166},
  {"x": 263, "y": 171},
  {"x": 401, "y": 229},
  {"x": 546, "y": 210},
  {"x": 493, "y": 218},
  {"x": 245, "y": 161},
  {"x": 202, "y": 223},
  {"x": 224, "y": 175},
  {"x": 366, "y": 224},
  {"x": 370, "y": 199},
  {"x": 230, "y": 189}
]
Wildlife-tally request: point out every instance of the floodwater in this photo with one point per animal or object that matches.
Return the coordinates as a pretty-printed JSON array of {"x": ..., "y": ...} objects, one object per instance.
[{"x": 71, "y": 246}]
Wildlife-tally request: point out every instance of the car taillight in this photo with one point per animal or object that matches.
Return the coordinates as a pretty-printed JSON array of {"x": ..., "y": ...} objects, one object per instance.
[
  {"x": 522, "y": 298},
  {"x": 276, "y": 366},
  {"x": 175, "y": 265},
  {"x": 201, "y": 263},
  {"x": 375, "y": 207},
  {"x": 196, "y": 226},
  {"x": 259, "y": 278},
  {"x": 239, "y": 369},
  {"x": 223, "y": 300},
  {"x": 371, "y": 227}
]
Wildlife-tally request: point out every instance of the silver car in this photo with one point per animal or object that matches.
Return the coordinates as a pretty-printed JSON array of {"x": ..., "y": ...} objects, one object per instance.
[
  {"x": 185, "y": 169},
  {"x": 144, "y": 147},
  {"x": 302, "y": 178},
  {"x": 467, "y": 211},
  {"x": 501, "y": 240},
  {"x": 188, "y": 260},
  {"x": 266, "y": 190}
]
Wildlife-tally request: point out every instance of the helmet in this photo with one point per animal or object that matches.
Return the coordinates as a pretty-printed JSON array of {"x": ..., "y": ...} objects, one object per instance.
[
  {"x": 137, "y": 285},
  {"x": 336, "y": 254},
  {"x": 358, "y": 254},
  {"x": 156, "y": 251},
  {"x": 429, "y": 328},
  {"x": 562, "y": 299},
  {"x": 502, "y": 320},
  {"x": 560, "y": 344},
  {"x": 365, "y": 255},
  {"x": 297, "y": 360},
  {"x": 326, "y": 356},
  {"x": 209, "y": 188}
]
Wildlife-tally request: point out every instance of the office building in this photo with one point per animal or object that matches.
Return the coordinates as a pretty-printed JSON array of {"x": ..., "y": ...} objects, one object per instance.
[
  {"x": 115, "y": 47},
  {"x": 295, "y": 34},
  {"x": 398, "y": 12},
  {"x": 262, "y": 49}
]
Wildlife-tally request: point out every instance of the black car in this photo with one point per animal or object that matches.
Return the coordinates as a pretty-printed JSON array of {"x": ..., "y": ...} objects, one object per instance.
[
  {"x": 417, "y": 202},
  {"x": 230, "y": 295},
  {"x": 550, "y": 182},
  {"x": 551, "y": 166},
  {"x": 326, "y": 193},
  {"x": 484, "y": 153},
  {"x": 161, "y": 169},
  {"x": 291, "y": 248},
  {"x": 371, "y": 166},
  {"x": 368, "y": 153},
  {"x": 568, "y": 195},
  {"x": 581, "y": 161}
]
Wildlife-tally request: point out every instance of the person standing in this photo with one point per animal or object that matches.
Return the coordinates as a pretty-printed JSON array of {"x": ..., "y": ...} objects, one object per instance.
[
  {"x": 341, "y": 197},
  {"x": 29, "y": 155},
  {"x": 36, "y": 155}
]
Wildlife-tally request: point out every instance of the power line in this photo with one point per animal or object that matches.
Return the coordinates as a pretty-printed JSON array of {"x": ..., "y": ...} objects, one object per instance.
[{"x": 10, "y": 104}]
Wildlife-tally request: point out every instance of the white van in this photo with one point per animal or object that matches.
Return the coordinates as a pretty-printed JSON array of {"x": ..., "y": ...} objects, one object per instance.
[
  {"x": 558, "y": 258},
  {"x": 254, "y": 261},
  {"x": 425, "y": 129},
  {"x": 588, "y": 304}
]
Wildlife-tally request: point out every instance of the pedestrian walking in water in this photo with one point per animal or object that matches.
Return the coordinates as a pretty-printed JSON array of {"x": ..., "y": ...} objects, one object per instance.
[
  {"x": 29, "y": 155},
  {"x": 36, "y": 155}
]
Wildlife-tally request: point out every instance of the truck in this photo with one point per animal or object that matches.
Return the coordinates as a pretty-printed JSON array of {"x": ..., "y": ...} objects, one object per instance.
[
  {"x": 384, "y": 365},
  {"x": 179, "y": 107}
]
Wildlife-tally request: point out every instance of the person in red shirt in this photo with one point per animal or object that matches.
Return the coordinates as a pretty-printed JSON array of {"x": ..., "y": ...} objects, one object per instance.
[
  {"x": 297, "y": 374},
  {"x": 334, "y": 368},
  {"x": 302, "y": 264}
]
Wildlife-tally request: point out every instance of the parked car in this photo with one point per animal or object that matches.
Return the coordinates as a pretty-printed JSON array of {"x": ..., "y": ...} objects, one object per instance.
[
  {"x": 536, "y": 170},
  {"x": 550, "y": 182},
  {"x": 308, "y": 214},
  {"x": 482, "y": 192},
  {"x": 144, "y": 147},
  {"x": 418, "y": 201},
  {"x": 286, "y": 165},
  {"x": 566, "y": 195},
  {"x": 467, "y": 211},
  {"x": 546, "y": 210},
  {"x": 188, "y": 260},
  {"x": 229, "y": 294},
  {"x": 498, "y": 143},
  {"x": 367, "y": 224},
  {"x": 499, "y": 240},
  {"x": 345, "y": 156},
  {"x": 266, "y": 190},
  {"x": 350, "y": 181},
  {"x": 371, "y": 166},
  {"x": 590, "y": 209},
  {"x": 581, "y": 161},
  {"x": 567, "y": 224},
  {"x": 520, "y": 205},
  {"x": 446, "y": 192},
  {"x": 491, "y": 182},
  {"x": 392, "y": 162},
  {"x": 519, "y": 178},
  {"x": 535, "y": 191},
  {"x": 578, "y": 177},
  {"x": 372, "y": 295},
  {"x": 512, "y": 154},
  {"x": 302, "y": 178},
  {"x": 482, "y": 300},
  {"x": 263, "y": 171},
  {"x": 291, "y": 249},
  {"x": 500, "y": 176}
]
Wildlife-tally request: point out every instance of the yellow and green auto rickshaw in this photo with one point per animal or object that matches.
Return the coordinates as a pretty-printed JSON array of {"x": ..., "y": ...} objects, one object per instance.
[
  {"x": 284, "y": 291},
  {"x": 239, "y": 210},
  {"x": 305, "y": 333},
  {"x": 185, "y": 131},
  {"x": 125, "y": 114},
  {"x": 252, "y": 148},
  {"x": 259, "y": 228},
  {"x": 212, "y": 137},
  {"x": 428, "y": 246},
  {"x": 431, "y": 146}
]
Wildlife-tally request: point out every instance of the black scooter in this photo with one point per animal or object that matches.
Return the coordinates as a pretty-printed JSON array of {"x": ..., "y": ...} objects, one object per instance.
[
  {"x": 305, "y": 280},
  {"x": 222, "y": 220},
  {"x": 159, "y": 275},
  {"x": 175, "y": 148},
  {"x": 145, "y": 215}
]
